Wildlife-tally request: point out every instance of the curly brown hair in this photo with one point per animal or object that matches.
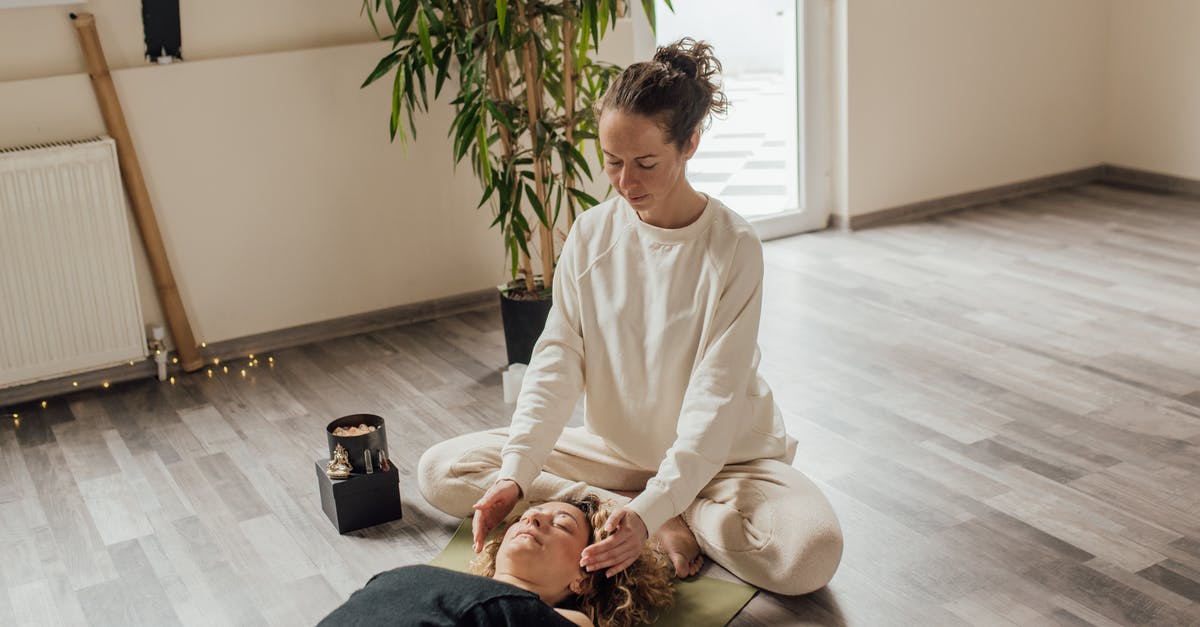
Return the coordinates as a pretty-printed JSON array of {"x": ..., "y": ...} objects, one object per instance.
[
  {"x": 635, "y": 596},
  {"x": 680, "y": 88}
]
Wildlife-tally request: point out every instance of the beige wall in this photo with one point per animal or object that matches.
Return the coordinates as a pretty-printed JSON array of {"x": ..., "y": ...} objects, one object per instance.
[
  {"x": 946, "y": 96},
  {"x": 1153, "y": 87},
  {"x": 280, "y": 199}
]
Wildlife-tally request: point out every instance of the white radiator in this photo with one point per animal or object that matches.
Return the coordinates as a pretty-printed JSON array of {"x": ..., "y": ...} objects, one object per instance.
[{"x": 68, "y": 294}]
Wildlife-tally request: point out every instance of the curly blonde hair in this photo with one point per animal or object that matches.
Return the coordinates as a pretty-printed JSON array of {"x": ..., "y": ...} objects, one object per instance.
[{"x": 635, "y": 596}]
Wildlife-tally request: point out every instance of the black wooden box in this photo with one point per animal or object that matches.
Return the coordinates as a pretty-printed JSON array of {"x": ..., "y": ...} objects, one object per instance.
[{"x": 360, "y": 501}]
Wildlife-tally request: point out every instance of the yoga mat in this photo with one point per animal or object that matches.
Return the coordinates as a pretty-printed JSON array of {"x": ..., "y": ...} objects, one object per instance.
[{"x": 698, "y": 601}]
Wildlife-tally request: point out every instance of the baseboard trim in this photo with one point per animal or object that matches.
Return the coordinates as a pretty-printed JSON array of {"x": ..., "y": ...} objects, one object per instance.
[
  {"x": 928, "y": 208},
  {"x": 258, "y": 343},
  {"x": 1150, "y": 181}
]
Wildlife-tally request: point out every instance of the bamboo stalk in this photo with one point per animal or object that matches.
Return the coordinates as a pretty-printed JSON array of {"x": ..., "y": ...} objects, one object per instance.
[
  {"x": 139, "y": 197},
  {"x": 533, "y": 92},
  {"x": 497, "y": 84},
  {"x": 568, "y": 38}
]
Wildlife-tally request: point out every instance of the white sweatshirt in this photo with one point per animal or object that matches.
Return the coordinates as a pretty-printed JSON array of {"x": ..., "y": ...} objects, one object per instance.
[{"x": 660, "y": 327}]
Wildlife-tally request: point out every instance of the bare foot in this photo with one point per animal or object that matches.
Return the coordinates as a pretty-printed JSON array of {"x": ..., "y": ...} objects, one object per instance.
[{"x": 679, "y": 543}]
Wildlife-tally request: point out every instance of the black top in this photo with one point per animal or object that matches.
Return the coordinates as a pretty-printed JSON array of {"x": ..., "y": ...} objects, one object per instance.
[{"x": 427, "y": 596}]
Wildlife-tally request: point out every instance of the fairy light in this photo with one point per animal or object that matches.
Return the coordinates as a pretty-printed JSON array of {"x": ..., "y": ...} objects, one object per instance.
[
  {"x": 225, "y": 369},
  {"x": 203, "y": 344},
  {"x": 251, "y": 357},
  {"x": 172, "y": 380},
  {"x": 43, "y": 404},
  {"x": 130, "y": 362},
  {"x": 243, "y": 372},
  {"x": 105, "y": 385},
  {"x": 210, "y": 373},
  {"x": 74, "y": 384}
]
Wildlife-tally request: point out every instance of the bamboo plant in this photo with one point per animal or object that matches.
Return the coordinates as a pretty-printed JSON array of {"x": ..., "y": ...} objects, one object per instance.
[{"x": 526, "y": 82}]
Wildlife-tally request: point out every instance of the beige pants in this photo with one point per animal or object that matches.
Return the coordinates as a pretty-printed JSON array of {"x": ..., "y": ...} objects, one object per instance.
[{"x": 762, "y": 520}]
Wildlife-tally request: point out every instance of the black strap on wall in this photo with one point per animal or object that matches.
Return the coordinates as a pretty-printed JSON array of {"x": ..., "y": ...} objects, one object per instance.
[{"x": 160, "y": 21}]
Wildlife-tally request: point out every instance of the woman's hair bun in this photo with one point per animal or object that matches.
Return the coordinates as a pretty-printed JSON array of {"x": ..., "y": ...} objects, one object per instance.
[
  {"x": 694, "y": 59},
  {"x": 681, "y": 87},
  {"x": 679, "y": 59}
]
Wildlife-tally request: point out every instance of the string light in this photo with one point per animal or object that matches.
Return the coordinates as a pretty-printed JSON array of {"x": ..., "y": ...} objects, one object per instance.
[
  {"x": 243, "y": 372},
  {"x": 251, "y": 356},
  {"x": 172, "y": 380},
  {"x": 130, "y": 362},
  {"x": 225, "y": 369},
  {"x": 43, "y": 404},
  {"x": 174, "y": 360},
  {"x": 210, "y": 373},
  {"x": 216, "y": 361},
  {"x": 105, "y": 384},
  {"x": 203, "y": 344},
  {"x": 74, "y": 384}
]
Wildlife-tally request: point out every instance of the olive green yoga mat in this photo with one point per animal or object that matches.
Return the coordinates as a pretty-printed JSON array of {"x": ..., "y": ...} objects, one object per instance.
[{"x": 699, "y": 602}]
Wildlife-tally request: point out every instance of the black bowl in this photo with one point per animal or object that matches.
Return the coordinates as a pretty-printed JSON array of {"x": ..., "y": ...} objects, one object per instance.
[{"x": 355, "y": 445}]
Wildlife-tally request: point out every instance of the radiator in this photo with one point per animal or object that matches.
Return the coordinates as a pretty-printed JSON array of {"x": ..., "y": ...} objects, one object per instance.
[{"x": 68, "y": 293}]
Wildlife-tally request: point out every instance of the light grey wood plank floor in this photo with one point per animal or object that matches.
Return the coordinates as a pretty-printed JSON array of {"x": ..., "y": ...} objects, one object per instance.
[{"x": 1003, "y": 405}]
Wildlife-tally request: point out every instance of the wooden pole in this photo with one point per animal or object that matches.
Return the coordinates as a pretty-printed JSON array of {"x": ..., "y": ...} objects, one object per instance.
[
  {"x": 533, "y": 96},
  {"x": 135, "y": 186},
  {"x": 568, "y": 38}
]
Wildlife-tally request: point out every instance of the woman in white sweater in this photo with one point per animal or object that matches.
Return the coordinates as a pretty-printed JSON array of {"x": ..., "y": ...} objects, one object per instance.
[{"x": 657, "y": 298}]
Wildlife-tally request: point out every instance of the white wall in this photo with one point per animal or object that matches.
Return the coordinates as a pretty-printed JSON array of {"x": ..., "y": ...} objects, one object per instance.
[
  {"x": 946, "y": 96},
  {"x": 747, "y": 37},
  {"x": 280, "y": 200},
  {"x": 1153, "y": 87}
]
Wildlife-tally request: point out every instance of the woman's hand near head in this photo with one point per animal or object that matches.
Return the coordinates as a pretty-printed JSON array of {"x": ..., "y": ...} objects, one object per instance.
[
  {"x": 492, "y": 508},
  {"x": 626, "y": 536}
]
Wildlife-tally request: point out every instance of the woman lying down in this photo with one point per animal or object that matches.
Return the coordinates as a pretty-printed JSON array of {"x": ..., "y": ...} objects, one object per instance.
[{"x": 529, "y": 577}]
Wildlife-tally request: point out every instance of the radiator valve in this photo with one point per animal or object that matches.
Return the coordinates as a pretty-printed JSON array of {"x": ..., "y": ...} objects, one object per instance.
[{"x": 159, "y": 346}]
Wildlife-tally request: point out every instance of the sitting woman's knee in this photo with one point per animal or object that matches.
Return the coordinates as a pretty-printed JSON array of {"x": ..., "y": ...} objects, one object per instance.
[
  {"x": 452, "y": 475},
  {"x": 815, "y": 562}
]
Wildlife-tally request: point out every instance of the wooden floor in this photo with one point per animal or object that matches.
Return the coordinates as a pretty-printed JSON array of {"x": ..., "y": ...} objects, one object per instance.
[{"x": 1002, "y": 404}]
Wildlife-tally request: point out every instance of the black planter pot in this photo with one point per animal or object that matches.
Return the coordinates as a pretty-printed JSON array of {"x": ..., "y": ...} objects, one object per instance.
[{"x": 523, "y": 324}]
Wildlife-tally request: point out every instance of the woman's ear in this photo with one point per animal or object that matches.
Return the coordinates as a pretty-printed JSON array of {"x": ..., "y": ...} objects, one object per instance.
[
  {"x": 581, "y": 584},
  {"x": 692, "y": 144}
]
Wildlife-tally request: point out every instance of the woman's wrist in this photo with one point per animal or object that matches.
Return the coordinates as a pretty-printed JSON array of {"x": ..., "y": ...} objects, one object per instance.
[{"x": 520, "y": 492}]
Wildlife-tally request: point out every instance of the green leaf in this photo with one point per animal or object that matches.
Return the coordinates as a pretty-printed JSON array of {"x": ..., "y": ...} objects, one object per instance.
[
  {"x": 482, "y": 143},
  {"x": 536, "y": 203},
  {"x": 385, "y": 64},
  {"x": 404, "y": 17},
  {"x": 648, "y": 7},
  {"x": 499, "y": 116},
  {"x": 370, "y": 11},
  {"x": 423, "y": 31},
  {"x": 443, "y": 71},
  {"x": 577, "y": 157},
  {"x": 397, "y": 87},
  {"x": 584, "y": 198},
  {"x": 512, "y": 246},
  {"x": 606, "y": 7},
  {"x": 501, "y": 13}
]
